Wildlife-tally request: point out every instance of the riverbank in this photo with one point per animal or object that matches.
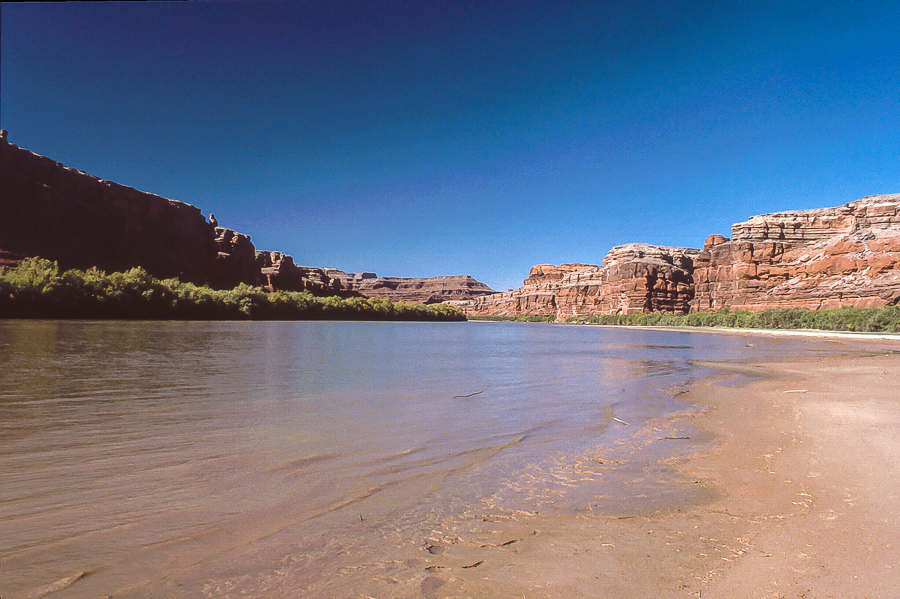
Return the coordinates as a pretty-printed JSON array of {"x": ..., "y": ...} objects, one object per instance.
[{"x": 799, "y": 474}]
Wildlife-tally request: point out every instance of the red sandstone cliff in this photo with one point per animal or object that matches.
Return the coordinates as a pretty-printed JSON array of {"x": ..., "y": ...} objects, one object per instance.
[
  {"x": 633, "y": 278},
  {"x": 428, "y": 290},
  {"x": 824, "y": 258},
  {"x": 79, "y": 220}
]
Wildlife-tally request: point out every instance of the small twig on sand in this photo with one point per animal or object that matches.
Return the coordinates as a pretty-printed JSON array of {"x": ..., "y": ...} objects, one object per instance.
[
  {"x": 673, "y": 438},
  {"x": 621, "y": 421},
  {"x": 469, "y": 395},
  {"x": 795, "y": 391}
]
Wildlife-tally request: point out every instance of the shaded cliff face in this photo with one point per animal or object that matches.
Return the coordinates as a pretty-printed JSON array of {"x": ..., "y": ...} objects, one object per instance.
[
  {"x": 79, "y": 220},
  {"x": 824, "y": 258},
  {"x": 429, "y": 290},
  {"x": 279, "y": 272},
  {"x": 633, "y": 278},
  {"x": 235, "y": 260}
]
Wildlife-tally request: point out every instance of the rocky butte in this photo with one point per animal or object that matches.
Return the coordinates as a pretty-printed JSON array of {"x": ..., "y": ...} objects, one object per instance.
[
  {"x": 633, "y": 278},
  {"x": 82, "y": 221}
]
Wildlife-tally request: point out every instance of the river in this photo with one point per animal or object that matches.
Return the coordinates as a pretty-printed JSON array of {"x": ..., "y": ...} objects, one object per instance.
[{"x": 267, "y": 459}]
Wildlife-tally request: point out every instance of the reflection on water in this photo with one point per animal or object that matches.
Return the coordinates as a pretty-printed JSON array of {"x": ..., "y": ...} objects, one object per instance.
[{"x": 137, "y": 452}]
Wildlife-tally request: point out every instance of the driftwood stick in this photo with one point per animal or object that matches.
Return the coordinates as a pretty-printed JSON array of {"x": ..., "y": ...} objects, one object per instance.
[
  {"x": 469, "y": 395},
  {"x": 620, "y": 421}
]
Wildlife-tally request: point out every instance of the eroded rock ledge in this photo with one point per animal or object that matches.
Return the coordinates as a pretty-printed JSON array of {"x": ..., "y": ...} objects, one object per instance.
[
  {"x": 823, "y": 258},
  {"x": 428, "y": 290},
  {"x": 633, "y": 278}
]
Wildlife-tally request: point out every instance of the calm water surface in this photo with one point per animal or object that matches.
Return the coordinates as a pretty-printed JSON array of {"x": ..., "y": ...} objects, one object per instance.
[{"x": 137, "y": 457}]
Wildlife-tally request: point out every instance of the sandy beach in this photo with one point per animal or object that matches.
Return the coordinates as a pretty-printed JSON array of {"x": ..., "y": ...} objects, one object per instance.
[{"x": 790, "y": 491}]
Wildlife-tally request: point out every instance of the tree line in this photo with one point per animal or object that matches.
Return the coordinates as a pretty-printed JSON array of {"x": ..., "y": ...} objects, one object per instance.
[{"x": 39, "y": 289}]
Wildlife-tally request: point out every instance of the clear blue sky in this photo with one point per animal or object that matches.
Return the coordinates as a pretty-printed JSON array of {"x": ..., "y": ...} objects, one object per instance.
[{"x": 428, "y": 138}]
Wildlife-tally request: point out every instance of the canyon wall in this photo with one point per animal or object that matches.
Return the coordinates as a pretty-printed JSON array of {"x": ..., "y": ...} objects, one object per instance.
[
  {"x": 632, "y": 278},
  {"x": 79, "y": 220},
  {"x": 82, "y": 221},
  {"x": 823, "y": 258},
  {"x": 429, "y": 290}
]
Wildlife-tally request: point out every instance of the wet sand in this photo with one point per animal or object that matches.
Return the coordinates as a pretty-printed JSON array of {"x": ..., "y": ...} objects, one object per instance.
[{"x": 799, "y": 499}]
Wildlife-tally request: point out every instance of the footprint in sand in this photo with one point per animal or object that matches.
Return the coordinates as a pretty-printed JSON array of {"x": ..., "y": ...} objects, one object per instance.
[{"x": 430, "y": 586}]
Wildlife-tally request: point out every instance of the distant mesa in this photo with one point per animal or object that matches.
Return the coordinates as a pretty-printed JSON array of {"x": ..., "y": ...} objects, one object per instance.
[
  {"x": 823, "y": 258},
  {"x": 82, "y": 221},
  {"x": 420, "y": 290}
]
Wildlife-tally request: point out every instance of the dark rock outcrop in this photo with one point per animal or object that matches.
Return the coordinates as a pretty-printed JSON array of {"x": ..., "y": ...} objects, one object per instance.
[
  {"x": 79, "y": 220},
  {"x": 235, "y": 260},
  {"x": 280, "y": 272}
]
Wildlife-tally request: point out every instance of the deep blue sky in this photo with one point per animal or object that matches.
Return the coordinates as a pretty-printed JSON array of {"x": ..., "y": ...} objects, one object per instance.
[{"x": 428, "y": 138}]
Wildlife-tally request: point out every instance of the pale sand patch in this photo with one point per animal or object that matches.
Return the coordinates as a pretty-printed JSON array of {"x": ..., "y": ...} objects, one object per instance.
[{"x": 805, "y": 468}]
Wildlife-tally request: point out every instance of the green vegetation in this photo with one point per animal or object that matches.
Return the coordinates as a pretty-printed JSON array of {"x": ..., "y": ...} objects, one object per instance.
[
  {"x": 37, "y": 289},
  {"x": 886, "y": 319},
  {"x": 514, "y": 318}
]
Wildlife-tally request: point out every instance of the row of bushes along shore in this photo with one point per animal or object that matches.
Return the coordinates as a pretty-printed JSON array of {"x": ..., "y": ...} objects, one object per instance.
[
  {"x": 872, "y": 320},
  {"x": 37, "y": 289}
]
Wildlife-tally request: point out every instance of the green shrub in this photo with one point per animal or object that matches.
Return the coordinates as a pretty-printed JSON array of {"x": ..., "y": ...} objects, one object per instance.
[
  {"x": 38, "y": 290},
  {"x": 886, "y": 319}
]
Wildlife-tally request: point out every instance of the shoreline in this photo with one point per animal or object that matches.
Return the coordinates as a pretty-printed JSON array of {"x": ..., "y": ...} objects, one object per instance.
[
  {"x": 796, "y": 499},
  {"x": 852, "y": 335}
]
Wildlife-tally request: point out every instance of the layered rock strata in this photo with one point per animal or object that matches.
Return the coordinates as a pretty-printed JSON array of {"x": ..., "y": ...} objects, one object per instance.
[
  {"x": 823, "y": 258},
  {"x": 63, "y": 214},
  {"x": 235, "y": 260},
  {"x": 428, "y": 290},
  {"x": 82, "y": 221},
  {"x": 279, "y": 272},
  {"x": 633, "y": 278}
]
